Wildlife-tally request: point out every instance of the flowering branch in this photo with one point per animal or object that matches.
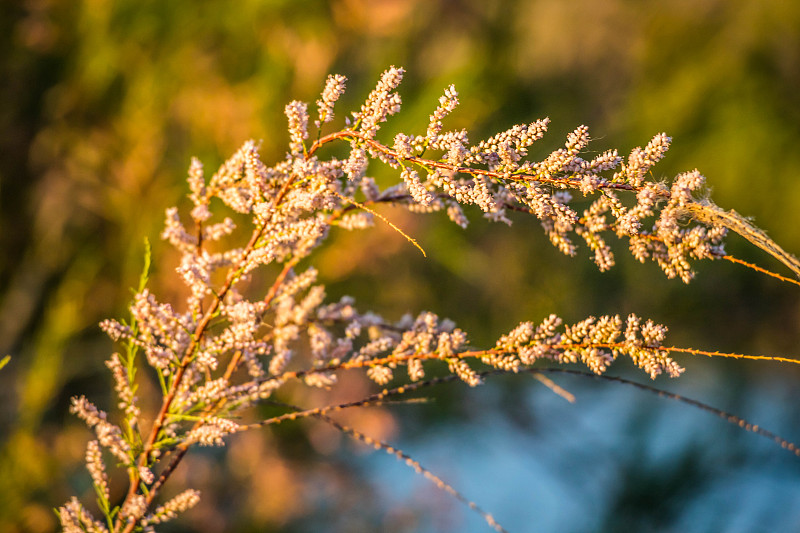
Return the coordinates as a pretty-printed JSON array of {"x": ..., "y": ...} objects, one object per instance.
[{"x": 231, "y": 346}]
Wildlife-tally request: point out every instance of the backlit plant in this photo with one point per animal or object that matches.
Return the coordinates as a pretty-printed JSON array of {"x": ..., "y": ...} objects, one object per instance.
[{"x": 230, "y": 345}]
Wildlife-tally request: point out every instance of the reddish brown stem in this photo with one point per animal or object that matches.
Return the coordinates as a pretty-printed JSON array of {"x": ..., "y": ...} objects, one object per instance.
[{"x": 350, "y": 134}]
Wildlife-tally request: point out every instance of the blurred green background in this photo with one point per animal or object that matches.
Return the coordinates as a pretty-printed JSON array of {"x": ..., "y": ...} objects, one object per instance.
[{"x": 103, "y": 104}]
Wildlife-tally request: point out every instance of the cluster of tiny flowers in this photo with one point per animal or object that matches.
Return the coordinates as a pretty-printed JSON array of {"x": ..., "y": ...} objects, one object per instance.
[
  {"x": 230, "y": 345},
  {"x": 675, "y": 242},
  {"x": 642, "y": 344},
  {"x": 415, "y": 188},
  {"x": 595, "y": 342},
  {"x": 297, "y": 113},
  {"x": 134, "y": 508},
  {"x": 211, "y": 432},
  {"x": 641, "y": 160},
  {"x": 75, "y": 518},
  {"x": 108, "y": 434},
  {"x": 162, "y": 333},
  {"x": 509, "y": 147},
  {"x": 96, "y": 468},
  {"x": 381, "y": 103},
  {"x": 447, "y": 103},
  {"x": 180, "y": 503},
  {"x": 334, "y": 88}
]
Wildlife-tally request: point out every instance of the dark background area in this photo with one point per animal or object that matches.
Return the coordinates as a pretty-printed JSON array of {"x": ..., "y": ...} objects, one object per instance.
[{"x": 104, "y": 103}]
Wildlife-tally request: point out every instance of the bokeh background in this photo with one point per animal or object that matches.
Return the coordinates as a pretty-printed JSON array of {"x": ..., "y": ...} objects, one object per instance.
[{"x": 103, "y": 104}]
